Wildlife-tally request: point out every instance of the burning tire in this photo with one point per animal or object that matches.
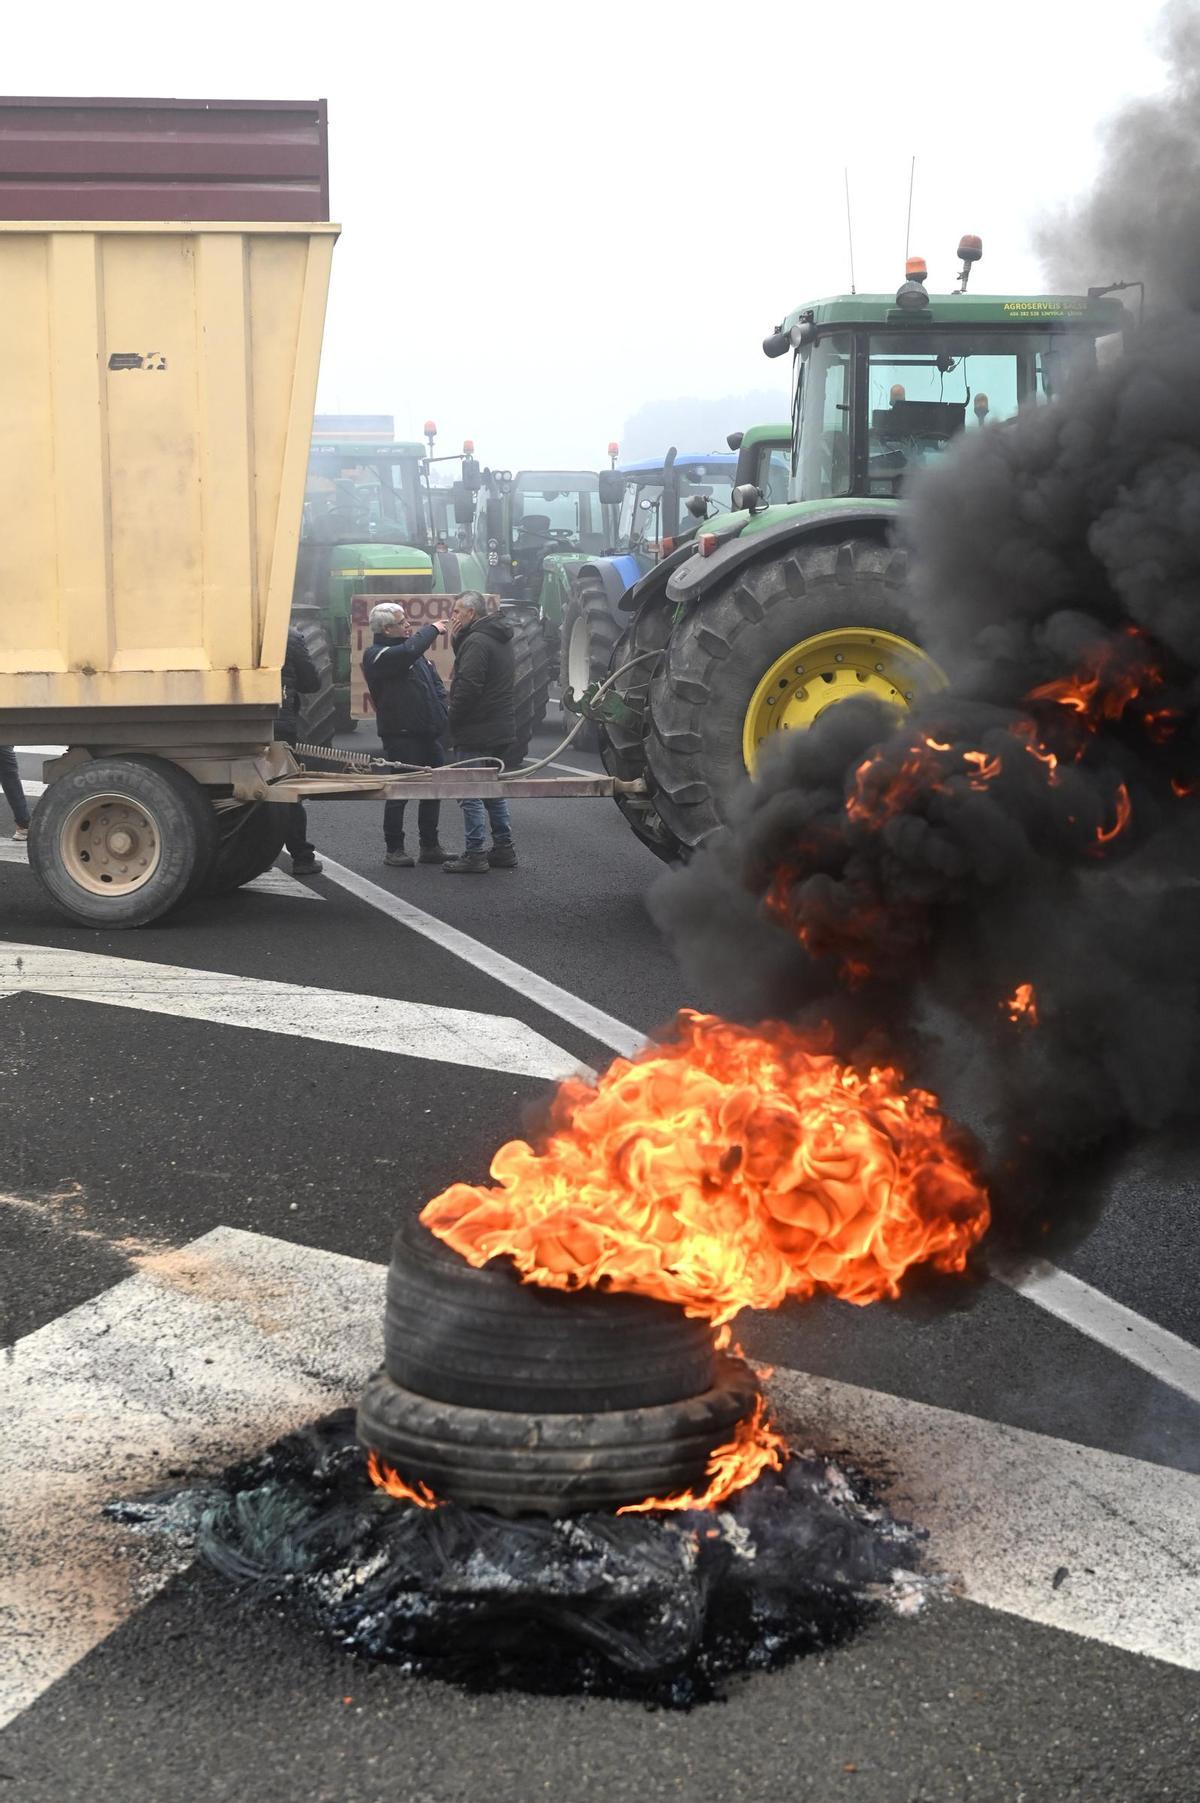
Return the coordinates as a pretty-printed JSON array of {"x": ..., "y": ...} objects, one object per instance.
[
  {"x": 120, "y": 841},
  {"x": 249, "y": 839},
  {"x": 769, "y": 651},
  {"x": 498, "y": 1394},
  {"x": 531, "y": 673},
  {"x": 483, "y": 1339},
  {"x": 589, "y": 634},
  {"x": 517, "y": 1461}
]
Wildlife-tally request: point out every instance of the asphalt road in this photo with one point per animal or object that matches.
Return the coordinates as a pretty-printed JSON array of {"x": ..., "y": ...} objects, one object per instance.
[{"x": 129, "y": 1132}]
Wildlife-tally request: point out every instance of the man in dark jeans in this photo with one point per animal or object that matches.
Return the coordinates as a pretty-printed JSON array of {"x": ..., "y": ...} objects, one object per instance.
[
  {"x": 14, "y": 794},
  {"x": 483, "y": 723},
  {"x": 300, "y": 677},
  {"x": 410, "y": 708}
]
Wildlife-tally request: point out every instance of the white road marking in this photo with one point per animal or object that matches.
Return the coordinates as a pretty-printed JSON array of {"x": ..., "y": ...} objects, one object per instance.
[
  {"x": 211, "y": 1352},
  {"x": 381, "y": 1024},
  {"x": 272, "y": 882},
  {"x": 1144, "y": 1343},
  {"x": 207, "y": 1355},
  {"x": 576, "y": 769},
  {"x": 598, "y": 1025},
  {"x": 33, "y": 787},
  {"x": 1007, "y": 1509}
]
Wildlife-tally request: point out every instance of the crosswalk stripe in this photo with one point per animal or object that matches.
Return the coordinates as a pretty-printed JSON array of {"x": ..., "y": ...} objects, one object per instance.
[
  {"x": 206, "y": 1355},
  {"x": 372, "y": 1023},
  {"x": 213, "y": 1351},
  {"x": 1007, "y": 1510}
]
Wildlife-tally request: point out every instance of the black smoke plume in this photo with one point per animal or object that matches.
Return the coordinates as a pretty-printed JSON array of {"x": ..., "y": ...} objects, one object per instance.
[{"x": 1034, "y": 829}]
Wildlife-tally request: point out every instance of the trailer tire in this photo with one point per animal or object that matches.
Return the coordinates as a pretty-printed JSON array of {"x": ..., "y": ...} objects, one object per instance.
[
  {"x": 249, "y": 839},
  {"x": 718, "y": 656},
  {"x": 479, "y": 1337},
  {"x": 589, "y": 633},
  {"x": 120, "y": 841}
]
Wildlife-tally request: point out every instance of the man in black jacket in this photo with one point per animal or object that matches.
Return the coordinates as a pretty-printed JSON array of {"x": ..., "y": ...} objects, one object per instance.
[
  {"x": 410, "y": 708},
  {"x": 300, "y": 677},
  {"x": 482, "y": 724}
]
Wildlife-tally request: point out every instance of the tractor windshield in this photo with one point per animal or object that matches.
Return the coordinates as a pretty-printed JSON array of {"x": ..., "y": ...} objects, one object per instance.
[
  {"x": 712, "y": 480},
  {"x": 347, "y": 500},
  {"x": 924, "y": 388},
  {"x": 640, "y": 525},
  {"x": 870, "y": 409},
  {"x": 560, "y": 510}
]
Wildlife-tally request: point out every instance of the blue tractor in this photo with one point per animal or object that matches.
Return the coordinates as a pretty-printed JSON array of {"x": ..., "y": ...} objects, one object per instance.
[{"x": 656, "y": 504}]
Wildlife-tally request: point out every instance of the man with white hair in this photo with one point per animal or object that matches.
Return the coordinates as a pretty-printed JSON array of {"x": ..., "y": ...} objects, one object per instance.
[{"x": 410, "y": 708}]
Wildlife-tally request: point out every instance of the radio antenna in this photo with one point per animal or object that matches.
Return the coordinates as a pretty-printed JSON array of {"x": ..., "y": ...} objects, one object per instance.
[
  {"x": 908, "y": 222},
  {"x": 849, "y": 225}
]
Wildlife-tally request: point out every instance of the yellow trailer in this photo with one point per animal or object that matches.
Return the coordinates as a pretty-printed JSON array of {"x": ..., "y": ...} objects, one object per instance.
[{"x": 158, "y": 377}]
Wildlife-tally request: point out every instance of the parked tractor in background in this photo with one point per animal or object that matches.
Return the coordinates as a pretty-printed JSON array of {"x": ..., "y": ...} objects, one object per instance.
[
  {"x": 652, "y": 505},
  {"x": 375, "y": 525},
  {"x": 779, "y": 610}
]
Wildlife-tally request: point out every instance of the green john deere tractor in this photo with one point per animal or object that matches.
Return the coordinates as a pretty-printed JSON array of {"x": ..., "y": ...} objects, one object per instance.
[{"x": 777, "y": 611}]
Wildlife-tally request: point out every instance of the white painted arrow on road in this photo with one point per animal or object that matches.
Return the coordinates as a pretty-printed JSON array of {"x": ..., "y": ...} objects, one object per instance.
[{"x": 494, "y": 1042}]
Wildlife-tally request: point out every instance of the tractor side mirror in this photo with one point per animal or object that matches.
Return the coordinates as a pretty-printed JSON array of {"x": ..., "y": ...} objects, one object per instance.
[
  {"x": 462, "y": 499},
  {"x": 472, "y": 475},
  {"x": 612, "y": 488}
]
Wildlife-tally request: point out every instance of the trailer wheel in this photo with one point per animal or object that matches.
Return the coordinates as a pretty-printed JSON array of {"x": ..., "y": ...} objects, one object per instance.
[
  {"x": 589, "y": 633},
  {"x": 769, "y": 651},
  {"x": 249, "y": 839},
  {"x": 119, "y": 841}
]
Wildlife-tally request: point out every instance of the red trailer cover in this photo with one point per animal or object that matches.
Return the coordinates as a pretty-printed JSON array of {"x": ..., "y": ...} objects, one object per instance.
[{"x": 164, "y": 159}]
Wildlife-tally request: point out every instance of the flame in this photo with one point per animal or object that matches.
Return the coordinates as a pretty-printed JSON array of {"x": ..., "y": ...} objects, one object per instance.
[
  {"x": 755, "y": 1448},
  {"x": 384, "y": 1478},
  {"x": 729, "y": 1168},
  {"x": 1123, "y": 816},
  {"x": 1021, "y": 1006},
  {"x": 1115, "y": 674},
  {"x": 1181, "y": 786}
]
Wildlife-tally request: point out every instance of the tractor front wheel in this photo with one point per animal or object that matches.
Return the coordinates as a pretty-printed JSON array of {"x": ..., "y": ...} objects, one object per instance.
[
  {"x": 768, "y": 652},
  {"x": 589, "y": 632}
]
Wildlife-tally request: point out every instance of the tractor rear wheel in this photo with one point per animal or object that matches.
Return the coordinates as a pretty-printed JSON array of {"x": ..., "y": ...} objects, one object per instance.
[
  {"x": 318, "y": 718},
  {"x": 531, "y": 676},
  {"x": 769, "y": 651},
  {"x": 589, "y": 632}
]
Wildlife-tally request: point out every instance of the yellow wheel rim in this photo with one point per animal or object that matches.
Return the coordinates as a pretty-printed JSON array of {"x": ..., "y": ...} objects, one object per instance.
[{"x": 818, "y": 672}]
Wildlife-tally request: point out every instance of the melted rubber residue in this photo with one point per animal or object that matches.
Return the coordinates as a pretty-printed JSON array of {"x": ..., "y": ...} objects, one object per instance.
[{"x": 665, "y": 1608}]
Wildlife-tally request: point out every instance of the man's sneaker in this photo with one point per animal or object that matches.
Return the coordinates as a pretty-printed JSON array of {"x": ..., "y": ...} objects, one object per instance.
[
  {"x": 503, "y": 857},
  {"x": 472, "y": 863},
  {"x": 433, "y": 854},
  {"x": 307, "y": 865},
  {"x": 20, "y": 833},
  {"x": 399, "y": 860}
]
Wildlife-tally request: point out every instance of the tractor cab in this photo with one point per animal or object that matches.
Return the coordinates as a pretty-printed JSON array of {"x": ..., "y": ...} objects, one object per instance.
[
  {"x": 663, "y": 500},
  {"x": 884, "y": 384}
]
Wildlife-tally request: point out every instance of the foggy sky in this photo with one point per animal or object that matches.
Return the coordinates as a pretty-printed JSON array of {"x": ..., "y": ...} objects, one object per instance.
[{"x": 553, "y": 215}]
